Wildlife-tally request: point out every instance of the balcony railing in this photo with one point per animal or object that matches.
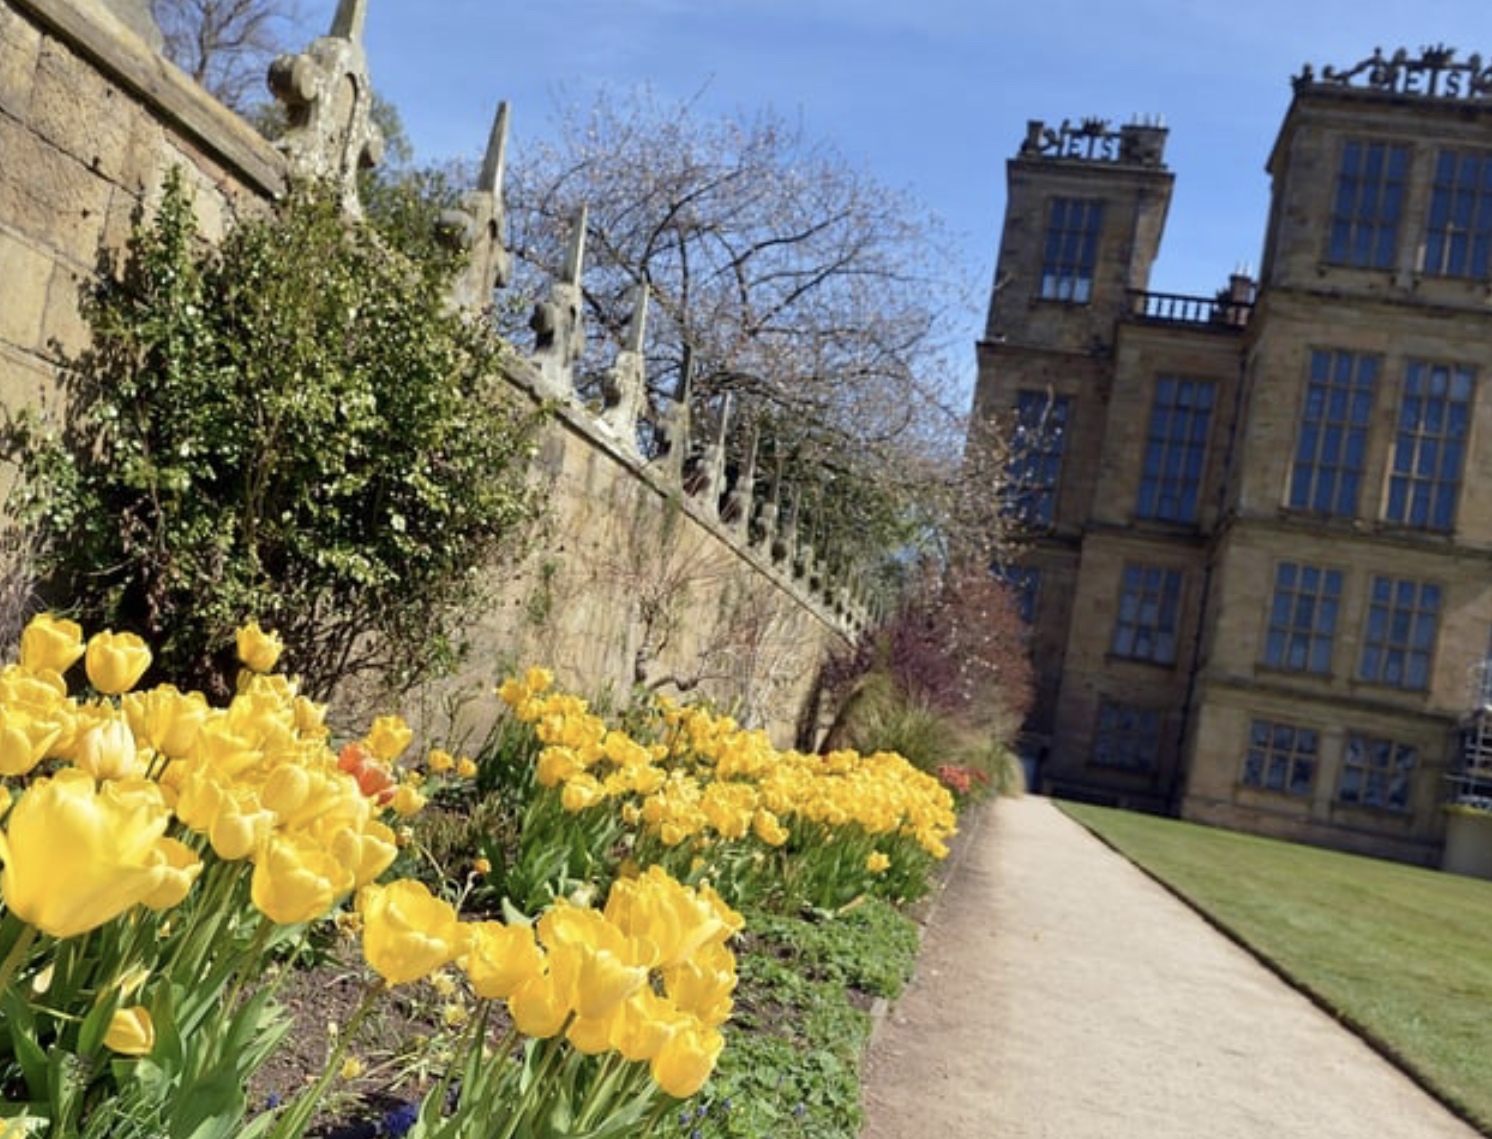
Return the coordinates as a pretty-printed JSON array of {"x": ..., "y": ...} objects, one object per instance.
[{"x": 1175, "y": 308}]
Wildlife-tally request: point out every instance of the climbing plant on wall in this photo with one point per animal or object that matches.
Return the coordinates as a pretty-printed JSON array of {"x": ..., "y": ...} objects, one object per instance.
[{"x": 291, "y": 427}]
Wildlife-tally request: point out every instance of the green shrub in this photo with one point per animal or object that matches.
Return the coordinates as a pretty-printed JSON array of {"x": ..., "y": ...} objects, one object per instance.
[{"x": 291, "y": 427}]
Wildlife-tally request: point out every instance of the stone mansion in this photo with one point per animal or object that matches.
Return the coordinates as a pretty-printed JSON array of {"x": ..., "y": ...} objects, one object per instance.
[{"x": 1258, "y": 556}]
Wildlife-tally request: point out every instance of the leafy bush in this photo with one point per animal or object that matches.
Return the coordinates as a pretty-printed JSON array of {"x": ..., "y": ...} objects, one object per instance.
[{"x": 292, "y": 428}]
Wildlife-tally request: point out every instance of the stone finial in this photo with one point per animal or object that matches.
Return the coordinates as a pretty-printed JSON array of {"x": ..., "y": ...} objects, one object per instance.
[
  {"x": 736, "y": 511},
  {"x": 476, "y": 227},
  {"x": 708, "y": 475},
  {"x": 785, "y": 532},
  {"x": 672, "y": 426},
  {"x": 624, "y": 386},
  {"x": 329, "y": 102},
  {"x": 559, "y": 331}
]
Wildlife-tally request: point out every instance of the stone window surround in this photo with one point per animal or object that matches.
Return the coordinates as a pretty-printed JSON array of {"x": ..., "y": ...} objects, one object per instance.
[
  {"x": 1069, "y": 250},
  {"x": 1303, "y": 616},
  {"x": 1360, "y": 765},
  {"x": 1344, "y": 382},
  {"x": 1176, "y": 437},
  {"x": 1034, "y": 472},
  {"x": 1126, "y": 737},
  {"x": 1277, "y": 748},
  {"x": 1147, "y": 618},
  {"x": 1413, "y": 498},
  {"x": 1402, "y": 655}
]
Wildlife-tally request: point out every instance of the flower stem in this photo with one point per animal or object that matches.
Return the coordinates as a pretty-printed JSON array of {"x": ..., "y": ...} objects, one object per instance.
[
  {"x": 293, "y": 1124},
  {"x": 16, "y": 956}
]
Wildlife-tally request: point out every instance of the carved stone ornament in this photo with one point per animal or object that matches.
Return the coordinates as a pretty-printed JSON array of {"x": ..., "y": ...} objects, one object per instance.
[
  {"x": 1434, "y": 74},
  {"x": 329, "y": 101},
  {"x": 476, "y": 228},
  {"x": 559, "y": 331},
  {"x": 623, "y": 388},
  {"x": 1093, "y": 140}
]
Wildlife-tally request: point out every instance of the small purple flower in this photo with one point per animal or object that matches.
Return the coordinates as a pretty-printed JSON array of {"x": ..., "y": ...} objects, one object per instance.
[{"x": 398, "y": 1120}]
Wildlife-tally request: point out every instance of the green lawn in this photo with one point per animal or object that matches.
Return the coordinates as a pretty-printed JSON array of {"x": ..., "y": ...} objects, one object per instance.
[{"x": 1403, "y": 954}]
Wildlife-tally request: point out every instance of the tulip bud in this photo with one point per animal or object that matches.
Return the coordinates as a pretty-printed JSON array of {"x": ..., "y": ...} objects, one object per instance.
[
  {"x": 258, "y": 649},
  {"x": 107, "y": 751},
  {"x": 116, "y": 661},
  {"x": 50, "y": 643},
  {"x": 131, "y": 1032},
  {"x": 388, "y": 737}
]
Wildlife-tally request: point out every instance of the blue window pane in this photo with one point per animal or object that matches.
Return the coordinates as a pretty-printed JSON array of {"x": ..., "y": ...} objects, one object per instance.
[
  {"x": 1070, "y": 253},
  {"x": 1172, "y": 466}
]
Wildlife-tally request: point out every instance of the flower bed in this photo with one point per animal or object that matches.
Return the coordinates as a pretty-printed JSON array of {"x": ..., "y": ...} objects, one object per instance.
[{"x": 168, "y": 864}]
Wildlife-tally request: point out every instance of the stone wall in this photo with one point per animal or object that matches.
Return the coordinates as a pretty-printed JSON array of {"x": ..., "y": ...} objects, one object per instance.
[
  {"x": 91, "y": 118},
  {"x": 629, "y": 578}
]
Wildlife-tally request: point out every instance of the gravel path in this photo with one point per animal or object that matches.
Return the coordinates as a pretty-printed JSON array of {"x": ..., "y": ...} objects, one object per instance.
[{"x": 1063, "y": 994}]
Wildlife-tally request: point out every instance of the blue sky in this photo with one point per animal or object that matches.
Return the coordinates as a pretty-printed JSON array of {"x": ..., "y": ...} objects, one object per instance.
[{"x": 930, "y": 96}]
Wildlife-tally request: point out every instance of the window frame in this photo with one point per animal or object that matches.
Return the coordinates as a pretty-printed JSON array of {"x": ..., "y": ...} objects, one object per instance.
[
  {"x": 1176, "y": 441},
  {"x": 1397, "y": 606},
  {"x": 1392, "y": 752},
  {"x": 1069, "y": 250},
  {"x": 1149, "y": 610},
  {"x": 1115, "y": 743},
  {"x": 1413, "y": 497},
  {"x": 1303, "y": 616},
  {"x": 1268, "y": 747},
  {"x": 1033, "y": 473},
  {"x": 1367, "y": 205},
  {"x": 1451, "y": 240},
  {"x": 1344, "y": 385}
]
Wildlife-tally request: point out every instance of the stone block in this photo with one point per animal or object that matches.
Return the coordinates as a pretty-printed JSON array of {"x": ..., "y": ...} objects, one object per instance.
[
  {"x": 81, "y": 114},
  {"x": 25, "y": 273},
  {"x": 65, "y": 332},
  {"x": 20, "y": 44},
  {"x": 49, "y": 196}
]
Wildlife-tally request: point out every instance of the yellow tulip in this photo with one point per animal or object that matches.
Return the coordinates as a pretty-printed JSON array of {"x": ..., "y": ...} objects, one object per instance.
[
  {"x": 500, "y": 959},
  {"x": 258, "y": 649},
  {"x": 181, "y": 869},
  {"x": 49, "y": 642},
  {"x": 131, "y": 1032},
  {"x": 107, "y": 750},
  {"x": 686, "y": 1059},
  {"x": 235, "y": 833},
  {"x": 769, "y": 828},
  {"x": 407, "y": 801},
  {"x": 440, "y": 761},
  {"x": 591, "y": 1036},
  {"x": 296, "y": 879},
  {"x": 24, "y": 740},
  {"x": 78, "y": 855},
  {"x": 408, "y": 933},
  {"x": 642, "y": 1025},
  {"x": 286, "y": 790},
  {"x": 466, "y": 768},
  {"x": 166, "y": 719},
  {"x": 115, "y": 661},
  {"x": 877, "y": 862},
  {"x": 538, "y": 680},
  {"x": 388, "y": 737},
  {"x": 703, "y": 986},
  {"x": 539, "y": 1007},
  {"x": 367, "y": 853},
  {"x": 581, "y": 791}
]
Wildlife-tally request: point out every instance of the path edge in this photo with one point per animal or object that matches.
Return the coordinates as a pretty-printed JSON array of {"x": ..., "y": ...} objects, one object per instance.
[{"x": 1362, "y": 1032}]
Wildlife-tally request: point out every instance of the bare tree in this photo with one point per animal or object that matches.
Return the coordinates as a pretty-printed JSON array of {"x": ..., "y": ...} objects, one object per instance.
[
  {"x": 783, "y": 277},
  {"x": 226, "y": 45}
]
